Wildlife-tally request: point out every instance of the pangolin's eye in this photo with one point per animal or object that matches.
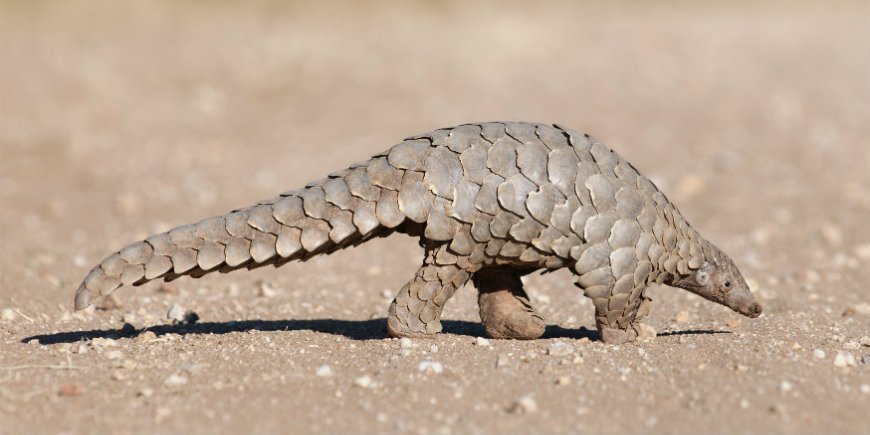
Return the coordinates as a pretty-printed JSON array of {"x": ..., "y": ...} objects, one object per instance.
[{"x": 727, "y": 284}]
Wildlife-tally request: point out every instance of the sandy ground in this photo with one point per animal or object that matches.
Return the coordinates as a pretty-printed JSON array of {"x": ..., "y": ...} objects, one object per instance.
[{"x": 121, "y": 120}]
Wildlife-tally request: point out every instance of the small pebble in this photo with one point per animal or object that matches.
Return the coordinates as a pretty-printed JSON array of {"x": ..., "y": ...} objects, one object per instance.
[
  {"x": 175, "y": 313},
  {"x": 560, "y": 348},
  {"x": 175, "y": 380},
  {"x": 785, "y": 386},
  {"x": 363, "y": 381},
  {"x": 178, "y": 315},
  {"x": 480, "y": 341},
  {"x": 145, "y": 392},
  {"x": 864, "y": 341},
  {"x": 407, "y": 343},
  {"x": 145, "y": 337},
  {"x": 525, "y": 405},
  {"x": 862, "y": 308},
  {"x": 865, "y": 388},
  {"x": 563, "y": 380},
  {"x": 192, "y": 368},
  {"x": 845, "y": 360},
  {"x": 265, "y": 290},
  {"x": 7, "y": 314},
  {"x": 819, "y": 354},
  {"x": 832, "y": 234},
  {"x": 324, "y": 371},
  {"x": 429, "y": 367},
  {"x": 80, "y": 260}
]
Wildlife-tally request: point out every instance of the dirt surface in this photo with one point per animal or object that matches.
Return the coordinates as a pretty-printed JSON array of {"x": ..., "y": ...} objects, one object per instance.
[{"x": 118, "y": 121}]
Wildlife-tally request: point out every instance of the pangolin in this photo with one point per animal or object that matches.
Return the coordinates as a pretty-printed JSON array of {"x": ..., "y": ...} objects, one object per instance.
[{"x": 490, "y": 202}]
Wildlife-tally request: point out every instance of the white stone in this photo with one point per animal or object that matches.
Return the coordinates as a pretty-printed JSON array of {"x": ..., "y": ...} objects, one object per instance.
[
  {"x": 845, "y": 360},
  {"x": 7, "y": 314},
  {"x": 832, "y": 234},
  {"x": 175, "y": 380},
  {"x": 525, "y": 404},
  {"x": 265, "y": 290},
  {"x": 323, "y": 371},
  {"x": 363, "y": 381},
  {"x": 175, "y": 312},
  {"x": 407, "y": 343},
  {"x": 430, "y": 367}
]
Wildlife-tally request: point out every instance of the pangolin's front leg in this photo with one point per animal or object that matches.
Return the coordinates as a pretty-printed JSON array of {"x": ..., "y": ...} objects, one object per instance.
[
  {"x": 505, "y": 310},
  {"x": 618, "y": 311},
  {"x": 416, "y": 311}
]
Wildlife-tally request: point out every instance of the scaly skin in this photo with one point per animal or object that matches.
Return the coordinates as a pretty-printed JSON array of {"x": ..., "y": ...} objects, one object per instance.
[{"x": 490, "y": 202}]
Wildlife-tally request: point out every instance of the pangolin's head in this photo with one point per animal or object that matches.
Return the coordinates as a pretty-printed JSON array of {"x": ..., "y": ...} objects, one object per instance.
[{"x": 720, "y": 281}]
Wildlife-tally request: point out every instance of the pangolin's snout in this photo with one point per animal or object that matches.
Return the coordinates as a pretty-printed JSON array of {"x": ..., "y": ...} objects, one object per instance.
[{"x": 754, "y": 310}]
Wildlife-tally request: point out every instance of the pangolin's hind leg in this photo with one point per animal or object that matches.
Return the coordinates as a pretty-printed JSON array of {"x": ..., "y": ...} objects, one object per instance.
[
  {"x": 416, "y": 311},
  {"x": 505, "y": 310}
]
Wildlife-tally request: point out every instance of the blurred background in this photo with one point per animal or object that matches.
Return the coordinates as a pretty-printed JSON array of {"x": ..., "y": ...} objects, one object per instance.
[{"x": 119, "y": 119}]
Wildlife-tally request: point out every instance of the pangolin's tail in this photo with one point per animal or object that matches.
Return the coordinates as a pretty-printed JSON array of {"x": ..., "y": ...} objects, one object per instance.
[{"x": 344, "y": 209}]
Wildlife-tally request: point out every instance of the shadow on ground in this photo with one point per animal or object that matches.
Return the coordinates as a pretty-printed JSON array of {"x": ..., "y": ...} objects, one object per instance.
[{"x": 374, "y": 329}]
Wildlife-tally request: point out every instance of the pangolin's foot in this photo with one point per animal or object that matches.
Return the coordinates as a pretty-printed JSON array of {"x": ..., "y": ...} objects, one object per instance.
[
  {"x": 403, "y": 322},
  {"x": 505, "y": 310},
  {"x": 635, "y": 332}
]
